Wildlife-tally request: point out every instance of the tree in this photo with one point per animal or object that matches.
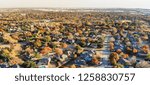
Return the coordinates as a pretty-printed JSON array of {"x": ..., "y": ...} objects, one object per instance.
[
  {"x": 79, "y": 49},
  {"x": 73, "y": 66},
  {"x": 29, "y": 64},
  {"x": 58, "y": 51},
  {"x": 15, "y": 60},
  {"x": 46, "y": 50},
  {"x": 148, "y": 56},
  {"x": 1, "y": 39},
  {"x": 47, "y": 38},
  {"x": 37, "y": 55},
  {"x": 37, "y": 43},
  {"x": 64, "y": 45},
  {"x": 135, "y": 50},
  {"x": 95, "y": 61},
  {"x": 80, "y": 32},
  {"x": 5, "y": 53},
  {"x": 113, "y": 58}
]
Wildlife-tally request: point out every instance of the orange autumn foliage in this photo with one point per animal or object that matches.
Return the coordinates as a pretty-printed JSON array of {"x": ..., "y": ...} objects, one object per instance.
[
  {"x": 80, "y": 32},
  {"x": 95, "y": 61},
  {"x": 64, "y": 45},
  {"x": 59, "y": 51},
  {"x": 119, "y": 51},
  {"x": 145, "y": 48},
  {"x": 46, "y": 50},
  {"x": 135, "y": 50},
  {"x": 73, "y": 66},
  {"x": 125, "y": 56}
]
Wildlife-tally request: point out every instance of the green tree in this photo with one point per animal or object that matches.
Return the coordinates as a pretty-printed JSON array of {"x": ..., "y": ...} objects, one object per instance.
[
  {"x": 37, "y": 55},
  {"x": 29, "y": 64}
]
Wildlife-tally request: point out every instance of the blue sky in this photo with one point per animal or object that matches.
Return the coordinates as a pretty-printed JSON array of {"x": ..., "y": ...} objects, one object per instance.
[{"x": 76, "y": 3}]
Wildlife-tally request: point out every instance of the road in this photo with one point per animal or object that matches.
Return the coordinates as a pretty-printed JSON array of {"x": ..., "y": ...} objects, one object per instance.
[{"x": 105, "y": 53}]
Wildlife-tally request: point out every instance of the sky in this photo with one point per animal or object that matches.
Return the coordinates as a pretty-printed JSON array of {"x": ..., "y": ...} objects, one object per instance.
[{"x": 75, "y": 3}]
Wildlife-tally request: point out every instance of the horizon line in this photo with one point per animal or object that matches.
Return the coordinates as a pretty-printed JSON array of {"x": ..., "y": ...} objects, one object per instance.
[{"x": 73, "y": 8}]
